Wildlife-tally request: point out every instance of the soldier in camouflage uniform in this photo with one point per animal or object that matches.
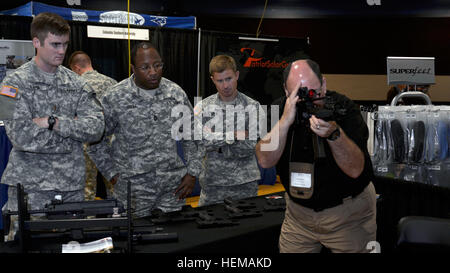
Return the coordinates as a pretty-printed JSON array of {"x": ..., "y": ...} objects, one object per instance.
[
  {"x": 48, "y": 111},
  {"x": 80, "y": 63},
  {"x": 138, "y": 112},
  {"x": 230, "y": 167}
]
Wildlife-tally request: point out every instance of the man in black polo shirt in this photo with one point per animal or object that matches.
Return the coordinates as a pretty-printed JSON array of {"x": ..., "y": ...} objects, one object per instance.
[{"x": 324, "y": 166}]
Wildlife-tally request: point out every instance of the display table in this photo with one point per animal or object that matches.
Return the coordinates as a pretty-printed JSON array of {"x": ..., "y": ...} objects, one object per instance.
[
  {"x": 254, "y": 234},
  {"x": 258, "y": 234}
]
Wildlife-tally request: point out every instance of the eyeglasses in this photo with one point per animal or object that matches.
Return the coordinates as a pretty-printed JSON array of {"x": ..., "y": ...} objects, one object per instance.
[{"x": 156, "y": 66}]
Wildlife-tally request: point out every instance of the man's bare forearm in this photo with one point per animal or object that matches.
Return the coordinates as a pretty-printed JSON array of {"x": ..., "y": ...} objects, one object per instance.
[
  {"x": 348, "y": 155},
  {"x": 270, "y": 148}
]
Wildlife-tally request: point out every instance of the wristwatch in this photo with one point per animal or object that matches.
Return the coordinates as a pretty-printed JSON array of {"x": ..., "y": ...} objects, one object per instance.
[
  {"x": 51, "y": 122},
  {"x": 335, "y": 134}
]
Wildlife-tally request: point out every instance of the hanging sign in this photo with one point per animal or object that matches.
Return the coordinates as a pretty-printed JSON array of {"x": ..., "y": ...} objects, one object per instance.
[
  {"x": 109, "y": 17},
  {"x": 117, "y": 33},
  {"x": 410, "y": 70}
]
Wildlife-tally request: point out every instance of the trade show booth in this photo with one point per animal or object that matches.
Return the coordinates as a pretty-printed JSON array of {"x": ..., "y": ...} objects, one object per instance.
[{"x": 411, "y": 173}]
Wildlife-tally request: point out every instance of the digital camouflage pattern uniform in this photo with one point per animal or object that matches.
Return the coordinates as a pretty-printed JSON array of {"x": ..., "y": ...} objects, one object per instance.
[
  {"x": 229, "y": 167},
  {"x": 143, "y": 151},
  {"x": 48, "y": 162},
  {"x": 100, "y": 83}
]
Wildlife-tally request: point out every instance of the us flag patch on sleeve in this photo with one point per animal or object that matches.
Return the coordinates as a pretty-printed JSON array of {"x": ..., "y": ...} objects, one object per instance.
[{"x": 9, "y": 91}]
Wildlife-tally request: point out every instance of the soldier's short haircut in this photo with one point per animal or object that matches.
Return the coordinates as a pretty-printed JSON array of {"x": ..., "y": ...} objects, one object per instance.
[
  {"x": 145, "y": 45},
  {"x": 312, "y": 64},
  {"x": 221, "y": 63},
  {"x": 47, "y": 22},
  {"x": 80, "y": 58}
]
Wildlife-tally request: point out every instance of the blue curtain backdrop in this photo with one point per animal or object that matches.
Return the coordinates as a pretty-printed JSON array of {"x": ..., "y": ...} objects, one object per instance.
[{"x": 5, "y": 149}]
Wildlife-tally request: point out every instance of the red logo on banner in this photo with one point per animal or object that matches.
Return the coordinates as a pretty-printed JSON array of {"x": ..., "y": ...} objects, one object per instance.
[{"x": 253, "y": 62}]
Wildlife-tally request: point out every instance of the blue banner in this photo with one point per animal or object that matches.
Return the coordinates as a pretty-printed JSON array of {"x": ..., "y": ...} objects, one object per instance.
[{"x": 108, "y": 17}]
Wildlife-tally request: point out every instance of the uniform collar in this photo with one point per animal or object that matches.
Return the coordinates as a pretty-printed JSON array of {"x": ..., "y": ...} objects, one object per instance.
[
  {"x": 89, "y": 72},
  {"x": 162, "y": 91},
  {"x": 237, "y": 100},
  {"x": 38, "y": 74}
]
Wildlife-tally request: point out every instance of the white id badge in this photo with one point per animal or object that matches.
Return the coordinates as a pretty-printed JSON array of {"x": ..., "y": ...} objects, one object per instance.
[{"x": 301, "y": 179}]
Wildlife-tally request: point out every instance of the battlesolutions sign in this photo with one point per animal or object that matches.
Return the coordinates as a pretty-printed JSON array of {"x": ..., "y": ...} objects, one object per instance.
[{"x": 260, "y": 62}]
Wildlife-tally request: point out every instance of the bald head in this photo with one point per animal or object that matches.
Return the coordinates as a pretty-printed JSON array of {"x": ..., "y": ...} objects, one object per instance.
[
  {"x": 304, "y": 73},
  {"x": 80, "y": 62}
]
